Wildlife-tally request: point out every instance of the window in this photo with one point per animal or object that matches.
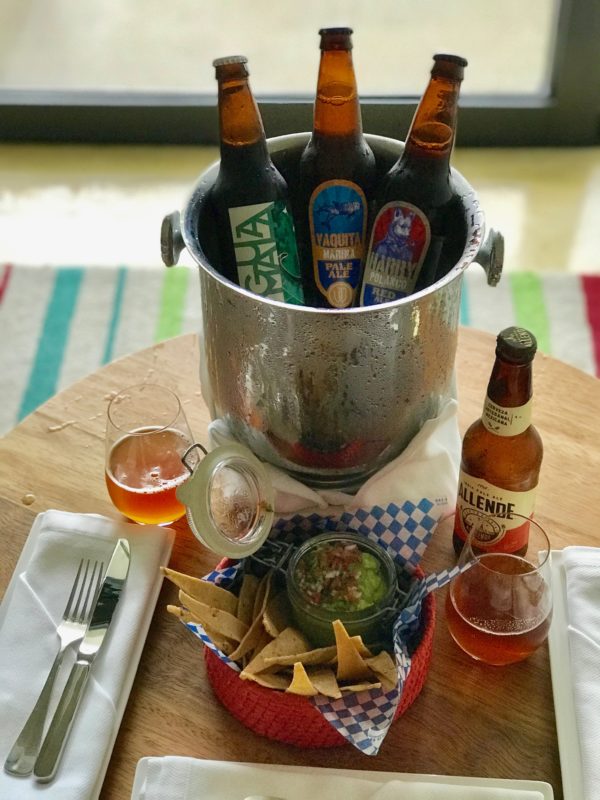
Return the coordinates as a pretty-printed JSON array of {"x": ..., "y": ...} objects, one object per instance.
[{"x": 140, "y": 70}]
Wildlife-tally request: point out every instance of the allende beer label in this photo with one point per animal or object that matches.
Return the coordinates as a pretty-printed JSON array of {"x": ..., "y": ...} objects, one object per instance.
[
  {"x": 265, "y": 251},
  {"x": 400, "y": 239},
  {"x": 506, "y": 421},
  {"x": 337, "y": 215},
  {"x": 480, "y": 503}
]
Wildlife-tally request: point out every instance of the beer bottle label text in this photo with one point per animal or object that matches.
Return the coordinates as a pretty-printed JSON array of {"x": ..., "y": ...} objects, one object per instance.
[
  {"x": 490, "y": 509},
  {"x": 400, "y": 239},
  {"x": 338, "y": 220},
  {"x": 506, "y": 421},
  {"x": 265, "y": 251}
]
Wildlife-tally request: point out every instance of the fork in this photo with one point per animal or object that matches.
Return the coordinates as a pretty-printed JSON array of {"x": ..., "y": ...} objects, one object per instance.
[{"x": 71, "y": 629}]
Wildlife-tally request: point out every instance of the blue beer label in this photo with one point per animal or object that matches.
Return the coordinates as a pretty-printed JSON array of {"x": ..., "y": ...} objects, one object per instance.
[
  {"x": 338, "y": 220},
  {"x": 400, "y": 239}
]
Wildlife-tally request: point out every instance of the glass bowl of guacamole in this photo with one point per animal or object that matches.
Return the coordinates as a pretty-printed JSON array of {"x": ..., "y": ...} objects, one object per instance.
[{"x": 342, "y": 576}]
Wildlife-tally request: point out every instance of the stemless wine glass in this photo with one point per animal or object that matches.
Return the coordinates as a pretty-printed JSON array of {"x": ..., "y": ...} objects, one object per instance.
[
  {"x": 499, "y": 609},
  {"x": 146, "y": 436}
]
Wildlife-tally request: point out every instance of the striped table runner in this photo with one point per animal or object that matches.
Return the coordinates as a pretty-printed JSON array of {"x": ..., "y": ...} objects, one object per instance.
[{"x": 58, "y": 324}]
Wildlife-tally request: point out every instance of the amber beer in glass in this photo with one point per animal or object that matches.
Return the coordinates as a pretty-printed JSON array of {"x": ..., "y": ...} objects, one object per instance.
[
  {"x": 336, "y": 183},
  {"x": 249, "y": 199},
  {"x": 501, "y": 454},
  {"x": 146, "y": 436},
  {"x": 499, "y": 610},
  {"x": 418, "y": 230}
]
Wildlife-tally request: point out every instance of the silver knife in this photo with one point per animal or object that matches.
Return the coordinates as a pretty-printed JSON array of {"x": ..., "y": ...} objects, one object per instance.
[{"x": 49, "y": 756}]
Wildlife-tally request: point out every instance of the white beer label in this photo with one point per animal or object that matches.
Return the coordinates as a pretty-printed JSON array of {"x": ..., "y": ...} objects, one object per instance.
[
  {"x": 506, "y": 421},
  {"x": 481, "y": 502}
]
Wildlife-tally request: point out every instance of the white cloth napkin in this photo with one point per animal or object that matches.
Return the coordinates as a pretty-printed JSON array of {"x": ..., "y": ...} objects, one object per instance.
[
  {"x": 428, "y": 467},
  {"x": 174, "y": 778},
  {"x": 32, "y": 608},
  {"x": 582, "y": 576}
]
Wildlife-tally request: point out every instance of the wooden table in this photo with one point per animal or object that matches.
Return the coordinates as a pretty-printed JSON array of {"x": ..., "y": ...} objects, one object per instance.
[{"x": 469, "y": 719}]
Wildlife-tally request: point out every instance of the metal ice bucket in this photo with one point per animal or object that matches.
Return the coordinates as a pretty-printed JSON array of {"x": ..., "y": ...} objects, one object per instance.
[{"x": 330, "y": 396}]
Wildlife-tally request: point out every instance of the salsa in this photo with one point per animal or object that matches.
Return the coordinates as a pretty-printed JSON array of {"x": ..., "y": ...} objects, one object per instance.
[{"x": 339, "y": 576}]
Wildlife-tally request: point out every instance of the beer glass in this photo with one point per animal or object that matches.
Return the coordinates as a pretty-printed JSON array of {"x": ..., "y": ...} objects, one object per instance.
[
  {"x": 146, "y": 435},
  {"x": 499, "y": 609}
]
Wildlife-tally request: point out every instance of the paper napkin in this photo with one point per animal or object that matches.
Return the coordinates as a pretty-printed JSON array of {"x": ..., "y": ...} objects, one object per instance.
[
  {"x": 582, "y": 575},
  {"x": 173, "y": 778},
  {"x": 29, "y": 614}
]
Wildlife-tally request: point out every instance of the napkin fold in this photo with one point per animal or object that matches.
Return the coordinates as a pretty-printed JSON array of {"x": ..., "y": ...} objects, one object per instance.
[
  {"x": 176, "y": 778},
  {"x": 30, "y": 612},
  {"x": 582, "y": 579},
  {"x": 427, "y": 467}
]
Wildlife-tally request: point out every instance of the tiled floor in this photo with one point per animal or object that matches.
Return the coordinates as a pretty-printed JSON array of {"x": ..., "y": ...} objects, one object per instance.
[{"x": 85, "y": 205}]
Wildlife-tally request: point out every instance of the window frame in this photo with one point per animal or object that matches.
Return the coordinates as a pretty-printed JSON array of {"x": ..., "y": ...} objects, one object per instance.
[{"x": 568, "y": 116}]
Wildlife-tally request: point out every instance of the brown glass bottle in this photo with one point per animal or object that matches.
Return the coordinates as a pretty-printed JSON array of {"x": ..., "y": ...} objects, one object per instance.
[
  {"x": 417, "y": 224},
  {"x": 501, "y": 453},
  {"x": 336, "y": 181},
  {"x": 254, "y": 224}
]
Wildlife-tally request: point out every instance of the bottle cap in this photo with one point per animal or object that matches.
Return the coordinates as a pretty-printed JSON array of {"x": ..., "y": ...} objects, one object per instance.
[
  {"x": 449, "y": 66},
  {"x": 516, "y": 345},
  {"x": 228, "y": 499},
  {"x": 221, "y": 62},
  {"x": 336, "y": 38}
]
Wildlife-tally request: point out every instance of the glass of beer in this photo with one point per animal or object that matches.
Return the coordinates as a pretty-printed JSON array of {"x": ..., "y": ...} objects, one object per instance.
[
  {"x": 146, "y": 435},
  {"x": 499, "y": 609}
]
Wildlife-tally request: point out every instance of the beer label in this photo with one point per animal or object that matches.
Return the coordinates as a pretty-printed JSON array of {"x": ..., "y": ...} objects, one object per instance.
[
  {"x": 337, "y": 215},
  {"x": 506, "y": 421},
  {"x": 265, "y": 251},
  {"x": 490, "y": 508},
  {"x": 400, "y": 239}
]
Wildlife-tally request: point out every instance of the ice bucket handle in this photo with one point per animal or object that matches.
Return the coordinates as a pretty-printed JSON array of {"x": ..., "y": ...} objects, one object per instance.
[
  {"x": 491, "y": 256},
  {"x": 171, "y": 240}
]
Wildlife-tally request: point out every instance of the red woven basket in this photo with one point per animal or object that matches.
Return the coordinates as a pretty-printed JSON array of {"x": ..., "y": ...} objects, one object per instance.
[{"x": 293, "y": 719}]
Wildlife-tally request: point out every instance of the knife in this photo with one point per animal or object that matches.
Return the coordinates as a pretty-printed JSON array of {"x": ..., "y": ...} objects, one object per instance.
[{"x": 50, "y": 753}]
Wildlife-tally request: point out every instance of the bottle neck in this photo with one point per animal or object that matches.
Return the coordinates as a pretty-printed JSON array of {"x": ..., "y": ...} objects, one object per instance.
[
  {"x": 510, "y": 385},
  {"x": 433, "y": 129},
  {"x": 337, "y": 107},
  {"x": 239, "y": 120}
]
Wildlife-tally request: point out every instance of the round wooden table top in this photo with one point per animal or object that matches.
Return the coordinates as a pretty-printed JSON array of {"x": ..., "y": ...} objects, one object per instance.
[{"x": 469, "y": 720}]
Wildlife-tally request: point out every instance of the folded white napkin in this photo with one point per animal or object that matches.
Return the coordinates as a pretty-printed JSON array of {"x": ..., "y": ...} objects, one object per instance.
[
  {"x": 582, "y": 577},
  {"x": 428, "y": 467},
  {"x": 30, "y": 612},
  {"x": 173, "y": 778}
]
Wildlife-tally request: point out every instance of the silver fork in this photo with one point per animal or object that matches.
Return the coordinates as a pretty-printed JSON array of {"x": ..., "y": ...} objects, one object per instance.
[{"x": 71, "y": 629}]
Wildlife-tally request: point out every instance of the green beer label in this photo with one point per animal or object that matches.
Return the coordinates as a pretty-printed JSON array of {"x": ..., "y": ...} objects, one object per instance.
[{"x": 265, "y": 251}]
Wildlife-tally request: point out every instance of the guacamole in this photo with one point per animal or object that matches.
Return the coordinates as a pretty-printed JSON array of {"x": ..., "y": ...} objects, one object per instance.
[{"x": 339, "y": 576}]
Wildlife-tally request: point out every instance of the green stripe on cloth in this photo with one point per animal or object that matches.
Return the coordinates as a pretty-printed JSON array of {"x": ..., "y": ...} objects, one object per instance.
[
  {"x": 172, "y": 302},
  {"x": 115, "y": 316},
  {"x": 530, "y": 310},
  {"x": 43, "y": 378}
]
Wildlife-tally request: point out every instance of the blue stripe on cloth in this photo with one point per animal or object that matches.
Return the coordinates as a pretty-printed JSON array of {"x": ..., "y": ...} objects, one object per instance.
[
  {"x": 43, "y": 378},
  {"x": 115, "y": 316},
  {"x": 464, "y": 304}
]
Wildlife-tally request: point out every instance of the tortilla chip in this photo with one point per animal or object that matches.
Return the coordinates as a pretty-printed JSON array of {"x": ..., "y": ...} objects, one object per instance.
[
  {"x": 384, "y": 667},
  {"x": 301, "y": 683},
  {"x": 324, "y": 681},
  {"x": 278, "y": 614},
  {"x": 322, "y": 655},
  {"x": 361, "y": 647},
  {"x": 246, "y": 598},
  {"x": 351, "y": 665},
  {"x": 252, "y": 637},
  {"x": 288, "y": 642},
  {"x": 181, "y": 613},
  {"x": 264, "y": 640},
  {"x": 268, "y": 680},
  {"x": 360, "y": 687},
  {"x": 263, "y": 594},
  {"x": 204, "y": 591},
  {"x": 221, "y": 621}
]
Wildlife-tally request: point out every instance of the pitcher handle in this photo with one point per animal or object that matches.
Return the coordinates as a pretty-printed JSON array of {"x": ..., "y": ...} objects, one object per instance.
[
  {"x": 491, "y": 256},
  {"x": 171, "y": 240}
]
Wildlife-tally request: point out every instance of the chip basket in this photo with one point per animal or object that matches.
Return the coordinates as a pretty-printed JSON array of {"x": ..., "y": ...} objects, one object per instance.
[{"x": 295, "y": 720}]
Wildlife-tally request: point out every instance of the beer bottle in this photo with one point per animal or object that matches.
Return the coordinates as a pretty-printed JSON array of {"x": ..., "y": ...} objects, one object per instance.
[
  {"x": 337, "y": 178},
  {"x": 254, "y": 225},
  {"x": 501, "y": 454},
  {"x": 414, "y": 207}
]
